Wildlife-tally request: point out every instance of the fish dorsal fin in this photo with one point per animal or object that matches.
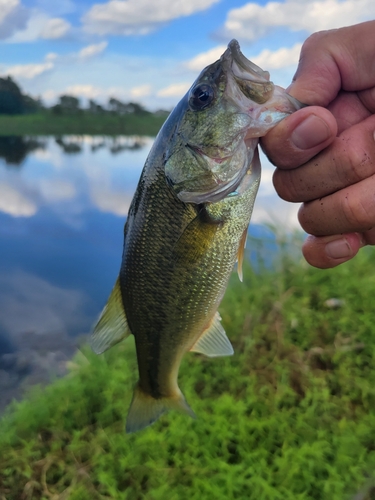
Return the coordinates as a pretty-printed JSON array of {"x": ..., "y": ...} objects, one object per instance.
[
  {"x": 112, "y": 326},
  {"x": 241, "y": 253},
  {"x": 213, "y": 341}
]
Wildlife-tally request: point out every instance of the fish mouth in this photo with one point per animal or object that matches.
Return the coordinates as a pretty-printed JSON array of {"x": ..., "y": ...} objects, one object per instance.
[
  {"x": 241, "y": 66},
  {"x": 253, "y": 82}
]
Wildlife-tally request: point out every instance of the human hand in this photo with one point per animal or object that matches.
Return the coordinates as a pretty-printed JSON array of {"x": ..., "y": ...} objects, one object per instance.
[{"x": 325, "y": 153}]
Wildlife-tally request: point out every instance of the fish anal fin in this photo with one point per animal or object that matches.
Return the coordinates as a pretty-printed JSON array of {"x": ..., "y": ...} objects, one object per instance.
[
  {"x": 213, "y": 341},
  {"x": 112, "y": 326},
  {"x": 145, "y": 409},
  {"x": 241, "y": 253}
]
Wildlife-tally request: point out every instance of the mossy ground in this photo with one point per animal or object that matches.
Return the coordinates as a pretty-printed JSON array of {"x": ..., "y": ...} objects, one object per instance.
[{"x": 291, "y": 416}]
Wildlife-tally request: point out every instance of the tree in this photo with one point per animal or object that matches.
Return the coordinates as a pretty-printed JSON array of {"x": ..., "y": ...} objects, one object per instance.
[
  {"x": 69, "y": 103},
  {"x": 94, "y": 107},
  {"x": 31, "y": 105},
  {"x": 11, "y": 98},
  {"x": 123, "y": 108}
]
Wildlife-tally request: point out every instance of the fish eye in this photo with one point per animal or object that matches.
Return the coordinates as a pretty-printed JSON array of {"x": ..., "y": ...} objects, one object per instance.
[{"x": 201, "y": 97}]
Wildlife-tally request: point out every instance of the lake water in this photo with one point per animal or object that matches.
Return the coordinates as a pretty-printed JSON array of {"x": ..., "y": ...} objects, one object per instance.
[{"x": 63, "y": 203}]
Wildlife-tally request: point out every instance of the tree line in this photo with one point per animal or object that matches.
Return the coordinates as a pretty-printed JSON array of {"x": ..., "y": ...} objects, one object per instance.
[{"x": 13, "y": 101}]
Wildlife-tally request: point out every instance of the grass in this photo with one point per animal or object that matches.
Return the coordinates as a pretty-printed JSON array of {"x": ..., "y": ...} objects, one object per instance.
[
  {"x": 290, "y": 416},
  {"x": 47, "y": 123}
]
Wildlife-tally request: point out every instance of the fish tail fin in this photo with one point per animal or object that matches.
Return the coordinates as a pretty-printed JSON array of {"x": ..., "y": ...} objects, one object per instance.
[{"x": 145, "y": 409}]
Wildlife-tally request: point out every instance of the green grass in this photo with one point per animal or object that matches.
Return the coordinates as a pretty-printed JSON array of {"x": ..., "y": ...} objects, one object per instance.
[
  {"x": 291, "y": 416},
  {"x": 47, "y": 123}
]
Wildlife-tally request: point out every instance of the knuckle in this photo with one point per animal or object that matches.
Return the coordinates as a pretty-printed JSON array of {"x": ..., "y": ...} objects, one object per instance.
[
  {"x": 356, "y": 154},
  {"x": 357, "y": 212},
  {"x": 314, "y": 40},
  {"x": 285, "y": 186}
]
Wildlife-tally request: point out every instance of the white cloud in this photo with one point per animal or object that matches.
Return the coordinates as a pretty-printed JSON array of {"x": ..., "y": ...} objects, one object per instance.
[
  {"x": 51, "y": 56},
  {"x": 55, "y": 28},
  {"x": 126, "y": 17},
  {"x": 50, "y": 95},
  {"x": 85, "y": 90},
  {"x": 205, "y": 58},
  {"x": 57, "y": 190},
  {"x": 57, "y": 8},
  {"x": 28, "y": 71},
  {"x": 110, "y": 201},
  {"x": 253, "y": 21},
  {"x": 267, "y": 59},
  {"x": 174, "y": 90},
  {"x": 14, "y": 203},
  {"x": 33, "y": 304},
  {"x": 7, "y": 7},
  {"x": 141, "y": 91},
  {"x": 92, "y": 50},
  {"x": 281, "y": 58},
  {"x": 38, "y": 26},
  {"x": 13, "y": 17}
]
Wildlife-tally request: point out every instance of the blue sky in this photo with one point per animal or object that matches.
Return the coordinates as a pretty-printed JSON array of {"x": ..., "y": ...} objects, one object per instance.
[{"x": 150, "y": 51}]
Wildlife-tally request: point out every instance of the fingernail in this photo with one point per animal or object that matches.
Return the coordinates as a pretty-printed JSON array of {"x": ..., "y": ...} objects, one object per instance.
[
  {"x": 310, "y": 132},
  {"x": 338, "y": 249}
]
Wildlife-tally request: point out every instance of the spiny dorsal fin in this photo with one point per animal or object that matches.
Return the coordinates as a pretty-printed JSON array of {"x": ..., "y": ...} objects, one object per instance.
[
  {"x": 112, "y": 326},
  {"x": 213, "y": 341},
  {"x": 241, "y": 253}
]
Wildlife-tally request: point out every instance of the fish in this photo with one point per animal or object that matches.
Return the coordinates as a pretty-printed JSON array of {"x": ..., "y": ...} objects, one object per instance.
[{"x": 186, "y": 228}]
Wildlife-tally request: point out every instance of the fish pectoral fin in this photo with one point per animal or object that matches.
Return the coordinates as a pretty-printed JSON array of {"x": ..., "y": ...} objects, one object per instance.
[
  {"x": 145, "y": 409},
  {"x": 112, "y": 326},
  {"x": 213, "y": 341},
  {"x": 241, "y": 253},
  {"x": 196, "y": 238}
]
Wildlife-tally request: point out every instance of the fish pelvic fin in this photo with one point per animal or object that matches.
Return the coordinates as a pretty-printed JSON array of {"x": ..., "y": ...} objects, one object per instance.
[
  {"x": 145, "y": 409},
  {"x": 213, "y": 341},
  {"x": 241, "y": 253},
  {"x": 112, "y": 326}
]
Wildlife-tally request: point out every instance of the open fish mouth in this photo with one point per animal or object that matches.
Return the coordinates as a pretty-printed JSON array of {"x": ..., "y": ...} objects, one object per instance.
[
  {"x": 251, "y": 79},
  {"x": 243, "y": 67}
]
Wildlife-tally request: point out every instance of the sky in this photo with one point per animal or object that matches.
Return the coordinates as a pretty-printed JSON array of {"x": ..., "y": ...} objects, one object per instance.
[{"x": 151, "y": 51}]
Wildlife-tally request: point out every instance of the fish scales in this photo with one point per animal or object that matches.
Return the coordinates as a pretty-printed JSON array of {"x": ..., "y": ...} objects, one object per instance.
[
  {"x": 187, "y": 226},
  {"x": 196, "y": 289}
]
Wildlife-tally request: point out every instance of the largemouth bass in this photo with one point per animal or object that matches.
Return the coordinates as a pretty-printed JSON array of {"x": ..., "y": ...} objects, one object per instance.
[{"x": 187, "y": 226}]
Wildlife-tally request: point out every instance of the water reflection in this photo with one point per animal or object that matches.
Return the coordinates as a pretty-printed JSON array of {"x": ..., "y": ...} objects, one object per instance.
[
  {"x": 61, "y": 229},
  {"x": 14, "y": 149}
]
